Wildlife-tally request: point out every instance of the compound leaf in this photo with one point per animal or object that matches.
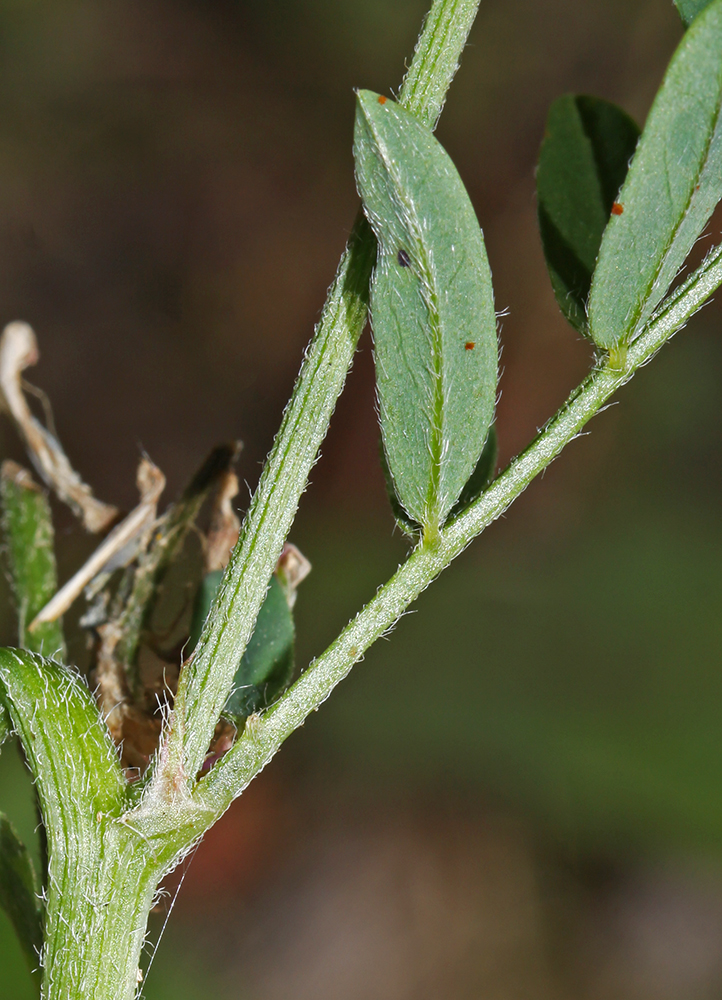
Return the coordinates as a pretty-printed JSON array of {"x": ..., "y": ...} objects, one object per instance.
[
  {"x": 432, "y": 310},
  {"x": 671, "y": 190},
  {"x": 582, "y": 165}
]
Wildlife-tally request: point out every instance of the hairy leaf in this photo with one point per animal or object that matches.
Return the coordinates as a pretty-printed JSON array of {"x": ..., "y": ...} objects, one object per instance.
[
  {"x": 671, "y": 190},
  {"x": 475, "y": 485},
  {"x": 582, "y": 165},
  {"x": 20, "y": 892},
  {"x": 481, "y": 476},
  {"x": 689, "y": 9},
  {"x": 432, "y": 310},
  {"x": 28, "y": 530},
  {"x": 266, "y": 667}
]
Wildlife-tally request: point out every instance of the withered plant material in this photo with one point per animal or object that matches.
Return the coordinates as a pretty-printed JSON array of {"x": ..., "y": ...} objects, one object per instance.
[
  {"x": 292, "y": 569},
  {"x": 131, "y": 727},
  {"x": 118, "y": 549},
  {"x": 224, "y": 527},
  {"x": 18, "y": 351},
  {"x": 168, "y": 538}
]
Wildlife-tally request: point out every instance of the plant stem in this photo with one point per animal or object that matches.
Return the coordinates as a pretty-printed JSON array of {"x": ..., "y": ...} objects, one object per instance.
[
  {"x": 264, "y": 735},
  {"x": 206, "y": 680},
  {"x": 436, "y": 58}
]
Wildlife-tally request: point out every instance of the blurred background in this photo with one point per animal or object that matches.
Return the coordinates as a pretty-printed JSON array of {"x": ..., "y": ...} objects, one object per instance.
[{"x": 520, "y": 794}]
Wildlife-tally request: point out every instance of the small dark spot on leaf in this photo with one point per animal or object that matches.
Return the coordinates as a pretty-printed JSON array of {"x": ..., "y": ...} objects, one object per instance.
[
  {"x": 617, "y": 209},
  {"x": 403, "y": 258},
  {"x": 470, "y": 345}
]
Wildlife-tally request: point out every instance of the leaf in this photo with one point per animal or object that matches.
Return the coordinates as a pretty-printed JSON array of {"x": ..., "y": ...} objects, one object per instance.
[
  {"x": 406, "y": 523},
  {"x": 267, "y": 665},
  {"x": 481, "y": 476},
  {"x": 475, "y": 486},
  {"x": 582, "y": 165},
  {"x": 432, "y": 310},
  {"x": 20, "y": 892},
  {"x": 689, "y": 9},
  {"x": 671, "y": 190},
  {"x": 28, "y": 530}
]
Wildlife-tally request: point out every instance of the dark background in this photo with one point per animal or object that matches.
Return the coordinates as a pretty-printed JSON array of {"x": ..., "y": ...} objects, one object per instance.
[{"x": 519, "y": 795}]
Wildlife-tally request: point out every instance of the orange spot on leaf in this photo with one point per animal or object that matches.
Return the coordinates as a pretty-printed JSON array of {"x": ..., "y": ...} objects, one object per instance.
[
  {"x": 382, "y": 99},
  {"x": 617, "y": 209},
  {"x": 470, "y": 345}
]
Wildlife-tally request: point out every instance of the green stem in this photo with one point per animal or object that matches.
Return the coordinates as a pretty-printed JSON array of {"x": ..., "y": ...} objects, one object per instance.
[
  {"x": 94, "y": 935},
  {"x": 436, "y": 58},
  {"x": 207, "y": 679},
  {"x": 263, "y": 736}
]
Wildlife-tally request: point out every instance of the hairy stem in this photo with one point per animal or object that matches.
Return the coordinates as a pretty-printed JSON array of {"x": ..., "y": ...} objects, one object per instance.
[
  {"x": 206, "y": 680},
  {"x": 264, "y": 735},
  {"x": 436, "y": 58}
]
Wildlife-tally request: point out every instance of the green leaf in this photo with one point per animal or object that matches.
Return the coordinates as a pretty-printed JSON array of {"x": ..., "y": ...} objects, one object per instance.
[
  {"x": 481, "y": 476},
  {"x": 267, "y": 665},
  {"x": 432, "y": 310},
  {"x": 28, "y": 530},
  {"x": 406, "y": 523},
  {"x": 582, "y": 165},
  {"x": 205, "y": 595},
  {"x": 689, "y": 9},
  {"x": 20, "y": 892},
  {"x": 671, "y": 190},
  {"x": 475, "y": 486}
]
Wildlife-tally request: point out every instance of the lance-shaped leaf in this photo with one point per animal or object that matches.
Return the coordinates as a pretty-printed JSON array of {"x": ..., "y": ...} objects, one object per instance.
[
  {"x": 482, "y": 475},
  {"x": 583, "y": 161},
  {"x": 475, "y": 485},
  {"x": 266, "y": 668},
  {"x": 671, "y": 190},
  {"x": 28, "y": 530},
  {"x": 689, "y": 9},
  {"x": 20, "y": 892},
  {"x": 432, "y": 310}
]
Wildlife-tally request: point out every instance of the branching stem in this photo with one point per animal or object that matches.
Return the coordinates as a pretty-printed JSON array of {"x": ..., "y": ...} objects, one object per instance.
[
  {"x": 206, "y": 680},
  {"x": 264, "y": 736}
]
